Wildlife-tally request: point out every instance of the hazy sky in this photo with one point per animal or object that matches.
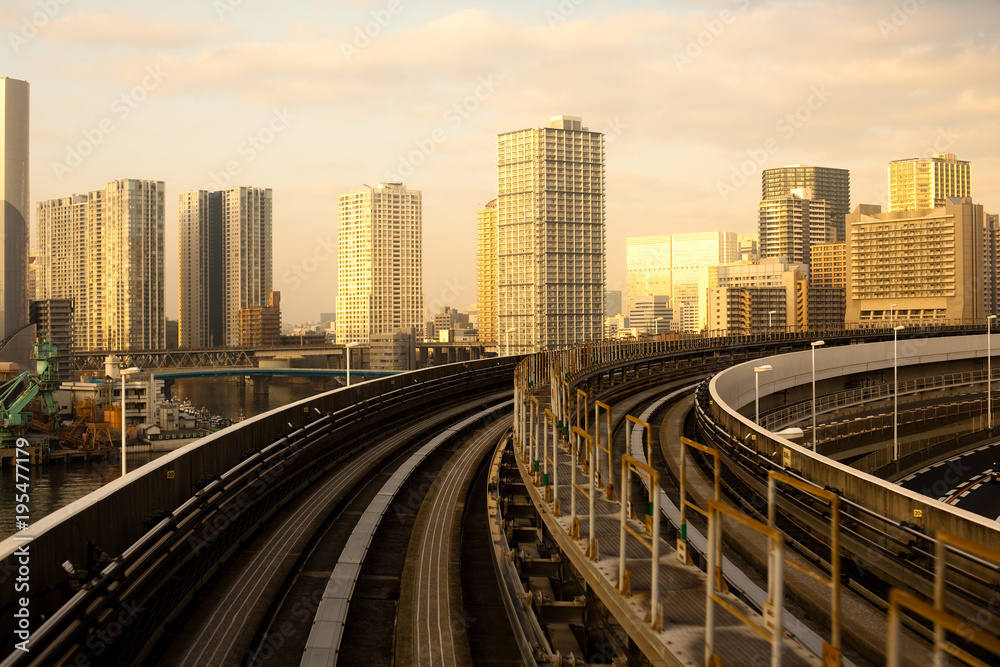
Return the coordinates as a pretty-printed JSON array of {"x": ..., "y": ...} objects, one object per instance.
[{"x": 315, "y": 97}]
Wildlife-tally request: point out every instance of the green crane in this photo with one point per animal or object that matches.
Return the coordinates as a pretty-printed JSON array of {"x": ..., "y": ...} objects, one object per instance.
[{"x": 13, "y": 399}]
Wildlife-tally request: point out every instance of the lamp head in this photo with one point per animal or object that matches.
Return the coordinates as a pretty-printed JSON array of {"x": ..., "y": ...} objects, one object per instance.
[
  {"x": 763, "y": 369},
  {"x": 817, "y": 343}
]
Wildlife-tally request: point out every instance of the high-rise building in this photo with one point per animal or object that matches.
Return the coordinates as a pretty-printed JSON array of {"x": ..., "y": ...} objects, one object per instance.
[
  {"x": 749, "y": 247},
  {"x": 919, "y": 266},
  {"x": 923, "y": 183},
  {"x": 827, "y": 286},
  {"x": 827, "y": 183},
  {"x": 486, "y": 273},
  {"x": 15, "y": 206},
  {"x": 648, "y": 266},
  {"x": 613, "y": 303},
  {"x": 677, "y": 266},
  {"x": 104, "y": 251},
  {"x": 225, "y": 262},
  {"x": 133, "y": 310},
  {"x": 379, "y": 262},
  {"x": 791, "y": 224},
  {"x": 61, "y": 243},
  {"x": 991, "y": 264},
  {"x": 551, "y": 235}
]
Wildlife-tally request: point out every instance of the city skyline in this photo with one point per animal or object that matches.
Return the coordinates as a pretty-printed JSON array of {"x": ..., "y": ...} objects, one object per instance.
[{"x": 293, "y": 97}]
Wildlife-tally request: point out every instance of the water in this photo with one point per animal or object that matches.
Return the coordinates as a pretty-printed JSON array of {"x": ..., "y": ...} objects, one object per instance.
[{"x": 56, "y": 485}]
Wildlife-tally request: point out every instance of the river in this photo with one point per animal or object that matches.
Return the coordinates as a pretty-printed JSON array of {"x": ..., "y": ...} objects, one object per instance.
[{"x": 56, "y": 485}]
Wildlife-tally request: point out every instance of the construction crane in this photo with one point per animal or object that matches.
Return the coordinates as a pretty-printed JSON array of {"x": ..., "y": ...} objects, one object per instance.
[{"x": 14, "y": 420}]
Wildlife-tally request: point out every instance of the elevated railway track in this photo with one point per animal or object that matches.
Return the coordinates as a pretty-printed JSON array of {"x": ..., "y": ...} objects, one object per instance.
[{"x": 261, "y": 555}]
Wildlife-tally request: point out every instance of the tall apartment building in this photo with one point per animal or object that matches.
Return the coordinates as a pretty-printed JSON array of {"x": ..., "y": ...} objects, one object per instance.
[
  {"x": 791, "y": 224},
  {"x": 486, "y": 273},
  {"x": 929, "y": 263},
  {"x": 551, "y": 235},
  {"x": 225, "y": 262},
  {"x": 53, "y": 319},
  {"x": 15, "y": 205},
  {"x": 677, "y": 266},
  {"x": 746, "y": 298},
  {"x": 826, "y": 183},
  {"x": 105, "y": 251},
  {"x": 923, "y": 183},
  {"x": 61, "y": 259},
  {"x": 379, "y": 262}
]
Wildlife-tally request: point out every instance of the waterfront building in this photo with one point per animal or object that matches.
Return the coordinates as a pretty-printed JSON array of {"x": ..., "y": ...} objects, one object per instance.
[
  {"x": 260, "y": 326},
  {"x": 53, "y": 319},
  {"x": 550, "y": 235},
  {"x": 225, "y": 242},
  {"x": 379, "y": 262},
  {"x": 15, "y": 205},
  {"x": 923, "y": 183},
  {"x": 487, "y": 256},
  {"x": 828, "y": 184},
  {"x": 929, "y": 263},
  {"x": 105, "y": 252}
]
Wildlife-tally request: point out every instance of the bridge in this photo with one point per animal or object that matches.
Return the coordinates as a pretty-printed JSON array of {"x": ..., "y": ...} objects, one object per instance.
[
  {"x": 617, "y": 474},
  {"x": 425, "y": 354}
]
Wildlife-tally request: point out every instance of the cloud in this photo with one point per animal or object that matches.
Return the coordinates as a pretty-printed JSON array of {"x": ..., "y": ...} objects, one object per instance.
[{"x": 133, "y": 31}]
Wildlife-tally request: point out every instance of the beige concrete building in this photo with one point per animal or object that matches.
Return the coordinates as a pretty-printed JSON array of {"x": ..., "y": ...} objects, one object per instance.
[
  {"x": 827, "y": 295},
  {"x": 922, "y": 183},
  {"x": 15, "y": 205},
  {"x": 379, "y": 262},
  {"x": 105, "y": 251},
  {"x": 486, "y": 273},
  {"x": 769, "y": 296},
  {"x": 551, "y": 235},
  {"x": 991, "y": 264},
  {"x": 928, "y": 262},
  {"x": 677, "y": 266},
  {"x": 829, "y": 265}
]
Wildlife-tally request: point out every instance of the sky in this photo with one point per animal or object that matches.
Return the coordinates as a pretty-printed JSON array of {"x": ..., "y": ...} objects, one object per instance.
[{"x": 316, "y": 97}]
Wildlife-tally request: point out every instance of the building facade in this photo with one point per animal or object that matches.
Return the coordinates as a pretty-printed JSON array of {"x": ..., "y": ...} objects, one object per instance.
[
  {"x": 923, "y": 183},
  {"x": 260, "y": 326},
  {"x": 918, "y": 266},
  {"x": 677, "y": 266},
  {"x": 105, "y": 252},
  {"x": 790, "y": 225},
  {"x": 769, "y": 296},
  {"x": 551, "y": 235},
  {"x": 226, "y": 260},
  {"x": 826, "y": 183},
  {"x": 379, "y": 262},
  {"x": 991, "y": 264},
  {"x": 486, "y": 273},
  {"x": 15, "y": 205},
  {"x": 651, "y": 315},
  {"x": 53, "y": 319}
]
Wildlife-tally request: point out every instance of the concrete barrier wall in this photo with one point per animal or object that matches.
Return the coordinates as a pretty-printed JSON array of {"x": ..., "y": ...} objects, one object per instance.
[
  {"x": 734, "y": 389},
  {"x": 113, "y": 516}
]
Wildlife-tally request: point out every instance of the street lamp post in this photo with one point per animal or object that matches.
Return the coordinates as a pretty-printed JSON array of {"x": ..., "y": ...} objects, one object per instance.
[
  {"x": 895, "y": 395},
  {"x": 125, "y": 372},
  {"x": 814, "y": 345},
  {"x": 656, "y": 326},
  {"x": 347, "y": 353},
  {"x": 509, "y": 332},
  {"x": 769, "y": 313},
  {"x": 989, "y": 373},
  {"x": 756, "y": 386}
]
